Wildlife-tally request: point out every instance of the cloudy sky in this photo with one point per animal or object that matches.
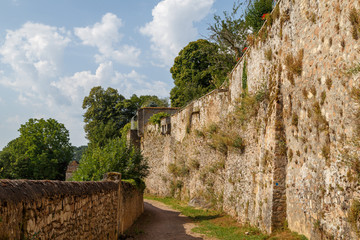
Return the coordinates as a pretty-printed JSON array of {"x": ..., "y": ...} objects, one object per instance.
[{"x": 52, "y": 52}]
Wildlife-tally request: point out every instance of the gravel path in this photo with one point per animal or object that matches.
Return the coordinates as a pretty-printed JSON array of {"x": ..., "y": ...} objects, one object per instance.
[{"x": 159, "y": 222}]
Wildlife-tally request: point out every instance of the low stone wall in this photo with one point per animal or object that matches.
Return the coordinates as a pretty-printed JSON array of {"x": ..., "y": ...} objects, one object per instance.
[{"x": 67, "y": 210}]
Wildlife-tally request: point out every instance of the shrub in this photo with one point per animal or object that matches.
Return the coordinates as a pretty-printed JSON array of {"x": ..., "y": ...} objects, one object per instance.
[
  {"x": 354, "y": 70},
  {"x": 115, "y": 156},
  {"x": 199, "y": 133},
  {"x": 178, "y": 170},
  {"x": 156, "y": 118},
  {"x": 239, "y": 143},
  {"x": 195, "y": 164},
  {"x": 213, "y": 128}
]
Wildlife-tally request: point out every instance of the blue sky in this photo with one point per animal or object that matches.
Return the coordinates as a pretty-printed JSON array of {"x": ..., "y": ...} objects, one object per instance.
[{"x": 52, "y": 52}]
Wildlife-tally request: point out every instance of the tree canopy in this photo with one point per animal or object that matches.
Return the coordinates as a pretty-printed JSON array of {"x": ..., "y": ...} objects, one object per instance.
[
  {"x": 116, "y": 156},
  {"x": 107, "y": 112},
  {"x": 195, "y": 71},
  {"x": 42, "y": 151},
  {"x": 230, "y": 31},
  {"x": 254, "y": 13}
]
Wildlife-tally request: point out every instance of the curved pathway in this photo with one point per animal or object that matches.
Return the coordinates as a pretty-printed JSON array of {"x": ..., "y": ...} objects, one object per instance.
[{"x": 159, "y": 222}]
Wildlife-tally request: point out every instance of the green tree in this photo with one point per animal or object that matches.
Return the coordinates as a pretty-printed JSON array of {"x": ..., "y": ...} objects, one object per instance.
[
  {"x": 230, "y": 32},
  {"x": 117, "y": 156},
  {"x": 195, "y": 72},
  {"x": 107, "y": 112},
  {"x": 78, "y": 152},
  {"x": 42, "y": 151},
  {"x": 254, "y": 13}
]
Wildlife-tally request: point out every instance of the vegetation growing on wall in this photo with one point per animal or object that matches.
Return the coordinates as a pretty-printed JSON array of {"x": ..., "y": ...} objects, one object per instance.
[
  {"x": 156, "y": 118},
  {"x": 354, "y": 18},
  {"x": 244, "y": 76},
  {"x": 354, "y": 216}
]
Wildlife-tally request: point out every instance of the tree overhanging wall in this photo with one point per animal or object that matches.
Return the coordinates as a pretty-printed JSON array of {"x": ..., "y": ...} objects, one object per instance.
[{"x": 287, "y": 152}]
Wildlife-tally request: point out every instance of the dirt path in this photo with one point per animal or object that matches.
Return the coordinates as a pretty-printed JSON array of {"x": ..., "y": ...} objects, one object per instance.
[{"x": 159, "y": 222}]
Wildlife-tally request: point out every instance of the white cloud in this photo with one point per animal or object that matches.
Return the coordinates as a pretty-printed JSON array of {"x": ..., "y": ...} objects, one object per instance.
[
  {"x": 79, "y": 85},
  {"x": 106, "y": 37},
  {"x": 172, "y": 26},
  {"x": 34, "y": 53}
]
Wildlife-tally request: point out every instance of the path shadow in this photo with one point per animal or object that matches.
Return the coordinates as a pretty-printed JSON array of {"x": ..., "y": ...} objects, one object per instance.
[{"x": 159, "y": 224}]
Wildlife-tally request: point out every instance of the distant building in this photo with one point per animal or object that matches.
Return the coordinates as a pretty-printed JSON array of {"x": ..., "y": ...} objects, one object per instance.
[
  {"x": 143, "y": 115},
  {"x": 72, "y": 167}
]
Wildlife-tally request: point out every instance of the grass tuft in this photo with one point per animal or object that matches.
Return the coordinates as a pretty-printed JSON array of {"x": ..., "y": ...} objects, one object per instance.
[
  {"x": 354, "y": 216},
  {"x": 294, "y": 64}
]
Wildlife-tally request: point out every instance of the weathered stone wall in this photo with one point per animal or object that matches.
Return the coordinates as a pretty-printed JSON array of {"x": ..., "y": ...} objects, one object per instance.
[
  {"x": 288, "y": 153},
  {"x": 67, "y": 210}
]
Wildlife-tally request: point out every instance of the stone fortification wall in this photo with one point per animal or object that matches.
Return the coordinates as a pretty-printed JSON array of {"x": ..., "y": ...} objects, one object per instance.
[
  {"x": 67, "y": 210},
  {"x": 287, "y": 152}
]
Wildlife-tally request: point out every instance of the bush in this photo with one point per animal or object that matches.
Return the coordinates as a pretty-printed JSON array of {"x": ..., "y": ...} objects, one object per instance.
[
  {"x": 116, "y": 156},
  {"x": 156, "y": 118}
]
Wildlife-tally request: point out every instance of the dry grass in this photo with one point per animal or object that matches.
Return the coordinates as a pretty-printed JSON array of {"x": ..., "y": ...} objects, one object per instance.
[
  {"x": 354, "y": 216},
  {"x": 354, "y": 18},
  {"x": 320, "y": 121},
  {"x": 328, "y": 83},
  {"x": 268, "y": 54},
  {"x": 323, "y": 98},
  {"x": 295, "y": 120},
  {"x": 294, "y": 64}
]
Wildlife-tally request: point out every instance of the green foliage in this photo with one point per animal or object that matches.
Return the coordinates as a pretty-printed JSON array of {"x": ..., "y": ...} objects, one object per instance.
[
  {"x": 180, "y": 170},
  {"x": 116, "y": 156},
  {"x": 156, "y": 118},
  {"x": 247, "y": 108},
  {"x": 136, "y": 183},
  {"x": 254, "y": 13},
  {"x": 239, "y": 143},
  {"x": 213, "y": 128},
  {"x": 42, "y": 151},
  {"x": 107, "y": 112},
  {"x": 354, "y": 69},
  {"x": 197, "y": 70},
  {"x": 230, "y": 32},
  {"x": 244, "y": 76},
  {"x": 78, "y": 152}
]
